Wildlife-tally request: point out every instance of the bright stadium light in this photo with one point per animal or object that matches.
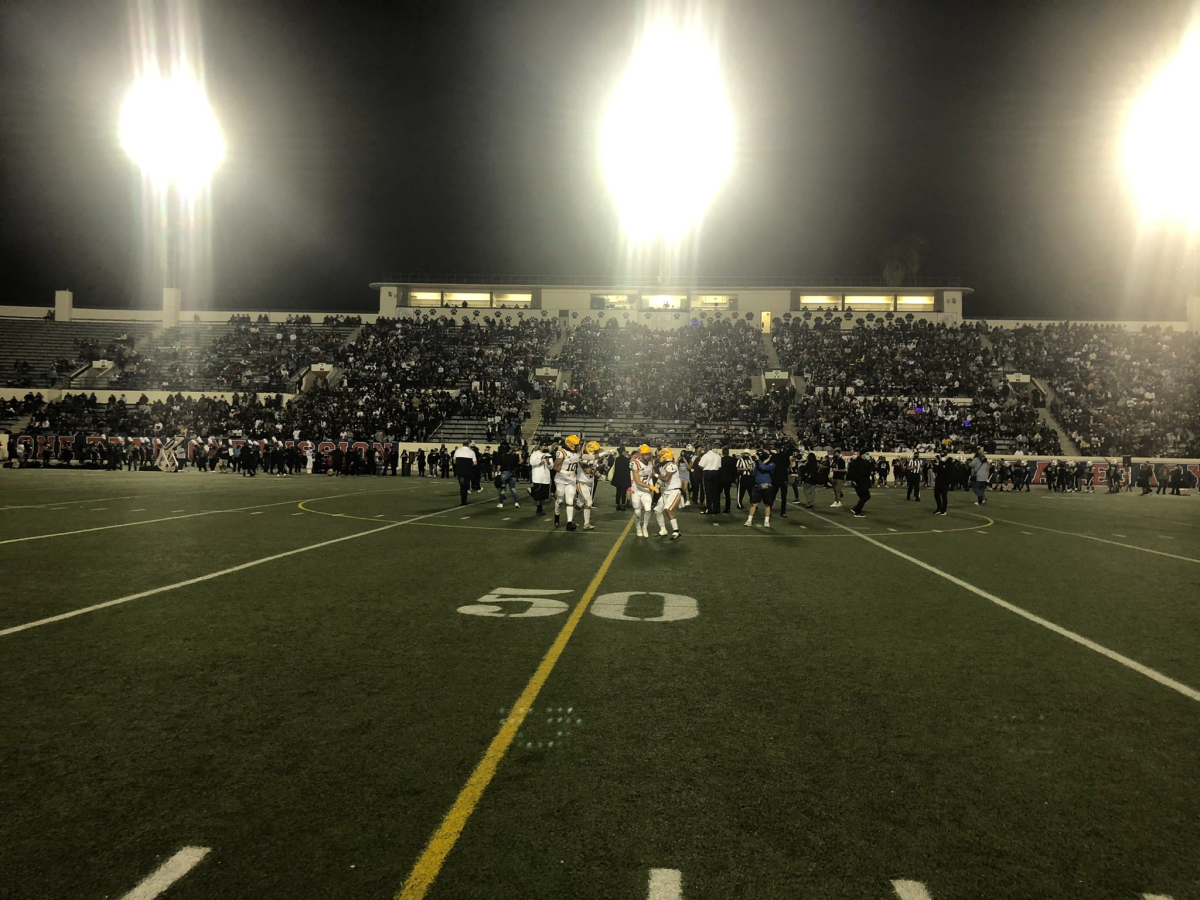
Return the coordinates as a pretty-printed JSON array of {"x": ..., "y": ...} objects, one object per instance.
[
  {"x": 170, "y": 131},
  {"x": 667, "y": 136},
  {"x": 1161, "y": 141}
]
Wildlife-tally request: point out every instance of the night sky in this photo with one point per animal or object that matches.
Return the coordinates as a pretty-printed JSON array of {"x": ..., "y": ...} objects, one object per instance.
[{"x": 461, "y": 137}]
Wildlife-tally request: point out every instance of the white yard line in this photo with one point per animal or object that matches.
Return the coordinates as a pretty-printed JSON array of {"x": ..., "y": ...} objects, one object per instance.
[
  {"x": 1155, "y": 897},
  {"x": 66, "y": 502},
  {"x": 211, "y": 575},
  {"x": 209, "y": 512},
  {"x": 168, "y": 873},
  {"x": 665, "y": 884},
  {"x": 1189, "y": 692},
  {"x": 910, "y": 890},
  {"x": 1090, "y": 537}
]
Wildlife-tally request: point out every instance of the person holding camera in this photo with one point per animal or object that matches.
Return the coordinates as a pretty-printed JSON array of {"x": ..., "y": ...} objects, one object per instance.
[{"x": 764, "y": 490}]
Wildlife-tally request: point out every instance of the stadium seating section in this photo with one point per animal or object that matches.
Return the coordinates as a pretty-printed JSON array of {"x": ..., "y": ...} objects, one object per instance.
[
  {"x": 41, "y": 353},
  {"x": 884, "y": 385}
]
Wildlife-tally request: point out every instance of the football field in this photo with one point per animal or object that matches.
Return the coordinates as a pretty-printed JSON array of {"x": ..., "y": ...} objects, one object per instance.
[{"x": 221, "y": 687}]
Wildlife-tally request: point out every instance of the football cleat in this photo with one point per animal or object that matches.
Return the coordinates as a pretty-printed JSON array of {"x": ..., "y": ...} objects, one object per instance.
[{"x": 570, "y": 526}]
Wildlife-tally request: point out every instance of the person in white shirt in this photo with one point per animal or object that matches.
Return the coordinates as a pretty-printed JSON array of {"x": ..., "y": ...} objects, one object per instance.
[
  {"x": 641, "y": 471},
  {"x": 710, "y": 464},
  {"x": 539, "y": 465},
  {"x": 566, "y": 468},
  {"x": 464, "y": 461},
  {"x": 671, "y": 487}
]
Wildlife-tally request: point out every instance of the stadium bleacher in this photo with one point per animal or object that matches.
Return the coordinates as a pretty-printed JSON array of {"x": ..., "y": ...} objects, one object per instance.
[
  {"x": 886, "y": 386},
  {"x": 42, "y": 353}
]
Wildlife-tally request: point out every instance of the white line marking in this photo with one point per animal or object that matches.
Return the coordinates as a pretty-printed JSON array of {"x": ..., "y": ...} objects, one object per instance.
[
  {"x": 507, "y": 519},
  {"x": 209, "y": 512},
  {"x": 168, "y": 873},
  {"x": 1166, "y": 537},
  {"x": 379, "y": 516},
  {"x": 466, "y": 517},
  {"x": 1156, "y": 897},
  {"x": 665, "y": 884},
  {"x": 211, "y": 575},
  {"x": 298, "y": 514},
  {"x": 1026, "y": 532},
  {"x": 139, "y": 509},
  {"x": 889, "y": 528},
  {"x": 1119, "y": 535},
  {"x": 259, "y": 513},
  {"x": 910, "y": 890},
  {"x": 1088, "y": 537},
  {"x": 100, "y": 509},
  {"x": 1190, "y": 693},
  {"x": 178, "y": 510},
  {"x": 66, "y": 502}
]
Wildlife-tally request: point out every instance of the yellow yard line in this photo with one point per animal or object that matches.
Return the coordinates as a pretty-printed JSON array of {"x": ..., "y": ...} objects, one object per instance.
[{"x": 433, "y": 857}]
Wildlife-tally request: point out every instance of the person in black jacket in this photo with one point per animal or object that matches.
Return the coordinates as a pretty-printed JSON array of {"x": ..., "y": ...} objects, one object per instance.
[
  {"x": 858, "y": 473},
  {"x": 729, "y": 474},
  {"x": 943, "y": 475},
  {"x": 810, "y": 476},
  {"x": 621, "y": 480},
  {"x": 782, "y": 459}
]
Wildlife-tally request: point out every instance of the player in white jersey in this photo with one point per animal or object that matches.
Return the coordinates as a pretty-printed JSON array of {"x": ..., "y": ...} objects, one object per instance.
[
  {"x": 671, "y": 487},
  {"x": 641, "y": 473},
  {"x": 585, "y": 481},
  {"x": 566, "y": 469}
]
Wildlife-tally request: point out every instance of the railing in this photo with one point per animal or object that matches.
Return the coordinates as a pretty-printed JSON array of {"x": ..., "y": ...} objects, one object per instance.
[{"x": 653, "y": 281}]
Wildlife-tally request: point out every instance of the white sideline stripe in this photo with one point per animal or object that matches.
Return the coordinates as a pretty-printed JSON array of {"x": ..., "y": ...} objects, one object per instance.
[
  {"x": 1156, "y": 897},
  {"x": 66, "y": 502},
  {"x": 910, "y": 890},
  {"x": 1189, "y": 692},
  {"x": 1089, "y": 537},
  {"x": 211, "y": 575},
  {"x": 207, "y": 512},
  {"x": 665, "y": 884},
  {"x": 168, "y": 873}
]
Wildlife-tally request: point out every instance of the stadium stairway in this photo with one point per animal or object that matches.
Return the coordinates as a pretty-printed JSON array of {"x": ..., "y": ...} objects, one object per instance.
[
  {"x": 1064, "y": 439},
  {"x": 772, "y": 356}
]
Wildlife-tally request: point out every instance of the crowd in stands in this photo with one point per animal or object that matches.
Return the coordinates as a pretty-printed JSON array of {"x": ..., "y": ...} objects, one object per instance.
[
  {"x": 838, "y": 419},
  {"x": 1117, "y": 391},
  {"x": 243, "y": 356},
  {"x": 888, "y": 359},
  {"x": 694, "y": 373},
  {"x": 885, "y": 386}
]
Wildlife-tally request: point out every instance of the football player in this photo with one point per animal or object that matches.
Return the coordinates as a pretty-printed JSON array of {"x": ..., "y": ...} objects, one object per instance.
[
  {"x": 641, "y": 473},
  {"x": 671, "y": 487},
  {"x": 585, "y": 480},
  {"x": 566, "y": 468}
]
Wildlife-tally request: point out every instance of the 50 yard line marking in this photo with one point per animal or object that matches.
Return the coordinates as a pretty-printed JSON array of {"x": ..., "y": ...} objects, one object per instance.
[{"x": 433, "y": 857}]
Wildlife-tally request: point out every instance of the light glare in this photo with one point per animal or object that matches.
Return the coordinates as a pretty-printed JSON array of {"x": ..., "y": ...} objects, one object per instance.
[
  {"x": 1162, "y": 141},
  {"x": 170, "y": 131},
  {"x": 667, "y": 137}
]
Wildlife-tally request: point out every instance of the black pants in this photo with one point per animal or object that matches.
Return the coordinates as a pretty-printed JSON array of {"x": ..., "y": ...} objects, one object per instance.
[
  {"x": 781, "y": 492},
  {"x": 914, "y": 487},
  {"x": 745, "y": 483},
  {"x": 464, "y": 485},
  {"x": 864, "y": 494},
  {"x": 941, "y": 494},
  {"x": 712, "y": 491},
  {"x": 725, "y": 488}
]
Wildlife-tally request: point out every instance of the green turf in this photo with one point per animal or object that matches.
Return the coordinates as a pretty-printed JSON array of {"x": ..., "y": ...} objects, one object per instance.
[{"x": 834, "y": 718}]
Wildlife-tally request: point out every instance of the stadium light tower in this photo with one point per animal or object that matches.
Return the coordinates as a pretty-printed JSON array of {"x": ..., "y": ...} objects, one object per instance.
[
  {"x": 1162, "y": 137},
  {"x": 169, "y": 129},
  {"x": 667, "y": 135}
]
